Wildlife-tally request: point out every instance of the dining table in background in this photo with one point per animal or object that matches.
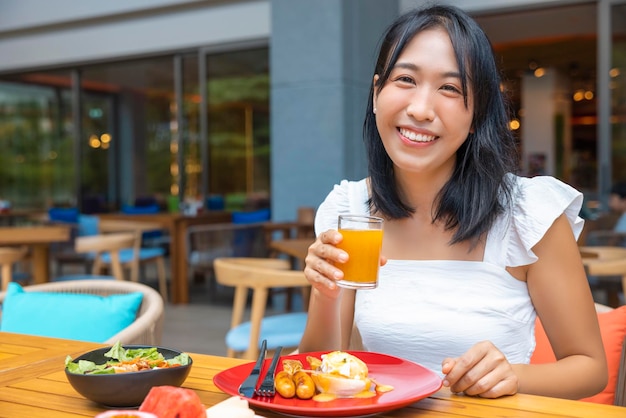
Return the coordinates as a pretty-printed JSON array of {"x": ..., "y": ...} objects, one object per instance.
[
  {"x": 295, "y": 248},
  {"x": 176, "y": 224},
  {"x": 17, "y": 217},
  {"x": 606, "y": 261},
  {"x": 38, "y": 238},
  {"x": 33, "y": 384}
]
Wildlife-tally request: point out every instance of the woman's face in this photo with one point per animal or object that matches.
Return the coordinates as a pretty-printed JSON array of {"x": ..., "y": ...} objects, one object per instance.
[{"x": 420, "y": 111}]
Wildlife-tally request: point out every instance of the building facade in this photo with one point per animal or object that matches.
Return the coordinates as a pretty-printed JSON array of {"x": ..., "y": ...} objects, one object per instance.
[{"x": 260, "y": 103}]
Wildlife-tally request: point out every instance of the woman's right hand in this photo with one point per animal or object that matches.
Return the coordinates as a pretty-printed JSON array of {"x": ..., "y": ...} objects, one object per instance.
[{"x": 320, "y": 261}]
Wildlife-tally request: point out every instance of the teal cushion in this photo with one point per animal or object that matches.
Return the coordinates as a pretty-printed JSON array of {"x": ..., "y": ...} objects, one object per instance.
[
  {"x": 66, "y": 315},
  {"x": 283, "y": 330}
]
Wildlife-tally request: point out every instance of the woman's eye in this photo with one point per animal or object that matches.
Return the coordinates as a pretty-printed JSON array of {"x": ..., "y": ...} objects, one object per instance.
[
  {"x": 451, "y": 89},
  {"x": 404, "y": 79}
]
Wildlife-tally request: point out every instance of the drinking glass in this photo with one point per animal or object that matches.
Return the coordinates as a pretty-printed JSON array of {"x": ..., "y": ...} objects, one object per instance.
[{"x": 362, "y": 240}]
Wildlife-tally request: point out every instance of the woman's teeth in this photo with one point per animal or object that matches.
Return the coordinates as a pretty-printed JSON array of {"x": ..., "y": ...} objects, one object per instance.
[{"x": 415, "y": 137}]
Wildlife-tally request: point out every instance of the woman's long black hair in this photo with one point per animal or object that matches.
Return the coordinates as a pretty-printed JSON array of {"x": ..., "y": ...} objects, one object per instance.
[{"x": 479, "y": 188}]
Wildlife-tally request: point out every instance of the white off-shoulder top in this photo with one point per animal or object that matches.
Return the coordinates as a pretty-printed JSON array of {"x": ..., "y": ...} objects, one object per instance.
[{"x": 427, "y": 310}]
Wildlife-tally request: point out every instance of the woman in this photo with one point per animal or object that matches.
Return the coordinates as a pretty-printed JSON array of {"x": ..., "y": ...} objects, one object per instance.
[{"x": 471, "y": 252}]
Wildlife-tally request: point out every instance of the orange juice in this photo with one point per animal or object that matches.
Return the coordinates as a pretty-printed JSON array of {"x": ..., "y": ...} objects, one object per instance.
[{"x": 363, "y": 247}]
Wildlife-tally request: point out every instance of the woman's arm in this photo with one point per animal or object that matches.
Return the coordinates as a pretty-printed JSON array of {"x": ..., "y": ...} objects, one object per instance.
[
  {"x": 331, "y": 309},
  {"x": 560, "y": 293}
]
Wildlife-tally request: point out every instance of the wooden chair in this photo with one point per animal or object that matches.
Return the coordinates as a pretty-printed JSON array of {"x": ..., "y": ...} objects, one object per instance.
[
  {"x": 134, "y": 256},
  {"x": 110, "y": 244},
  {"x": 259, "y": 275},
  {"x": 8, "y": 257},
  {"x": 147, "y": 328},
  {"x": 93, "y": 247}
]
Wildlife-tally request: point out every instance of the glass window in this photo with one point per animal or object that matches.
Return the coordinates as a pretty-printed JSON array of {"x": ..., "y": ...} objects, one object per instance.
[
  {"x": 36, "y": 144},
  {"x": 128, "y": 145},
  {"x": 239, "y": 137}
]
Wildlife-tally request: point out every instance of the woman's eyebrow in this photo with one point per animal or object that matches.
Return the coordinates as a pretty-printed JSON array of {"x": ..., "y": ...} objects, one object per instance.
[{"x": 413, "y": 67}]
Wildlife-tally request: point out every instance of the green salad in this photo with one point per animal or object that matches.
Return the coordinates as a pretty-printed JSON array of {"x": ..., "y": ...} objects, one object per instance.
[{"x": 126, "y": 360}]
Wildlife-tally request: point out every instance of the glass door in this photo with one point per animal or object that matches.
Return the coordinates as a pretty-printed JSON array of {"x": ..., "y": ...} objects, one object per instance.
[{"x": 237, "y": 144}]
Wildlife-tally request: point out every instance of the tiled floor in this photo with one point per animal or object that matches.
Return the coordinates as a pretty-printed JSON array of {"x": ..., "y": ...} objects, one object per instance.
[{"x": 201, "y": 325}]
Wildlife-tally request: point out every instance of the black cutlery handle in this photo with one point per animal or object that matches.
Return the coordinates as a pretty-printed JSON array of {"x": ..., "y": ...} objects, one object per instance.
[
  {"x": 261, "y": 358},
  {"x": 274, "y": 360}
]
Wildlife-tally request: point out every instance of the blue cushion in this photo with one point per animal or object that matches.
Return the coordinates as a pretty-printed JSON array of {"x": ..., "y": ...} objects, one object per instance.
[
  {"x": 88, "y": 225},
  {"x": 140, "y": 210},
  {"x": 215, "y": 202},
  {"x": 260, "y": 215},
  {"x": 283, "y": 330},
  {"x": 69, "y": 215},
  {"x": 65, "y": 315}
]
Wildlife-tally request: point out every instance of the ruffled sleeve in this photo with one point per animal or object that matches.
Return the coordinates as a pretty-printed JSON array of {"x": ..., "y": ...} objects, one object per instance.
[
  {"x": 346, "y": 197},
  {"x": 539, "y": 201}
]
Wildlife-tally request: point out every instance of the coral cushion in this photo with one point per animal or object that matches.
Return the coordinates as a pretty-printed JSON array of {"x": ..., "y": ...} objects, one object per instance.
[{"x": 613, "y": 330}]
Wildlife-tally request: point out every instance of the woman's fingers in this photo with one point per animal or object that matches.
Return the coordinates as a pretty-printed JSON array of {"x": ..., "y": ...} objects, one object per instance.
[
  {"x": 482, "y": 371},
  {"x": 320, "y": 268}
]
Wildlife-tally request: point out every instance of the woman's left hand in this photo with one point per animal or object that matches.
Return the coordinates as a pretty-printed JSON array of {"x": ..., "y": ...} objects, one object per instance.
[{"x": 481, "y": 371}]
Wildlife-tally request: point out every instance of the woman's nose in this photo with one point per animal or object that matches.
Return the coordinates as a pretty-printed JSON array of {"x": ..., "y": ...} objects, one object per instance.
[{"x": 421, "y": 106}]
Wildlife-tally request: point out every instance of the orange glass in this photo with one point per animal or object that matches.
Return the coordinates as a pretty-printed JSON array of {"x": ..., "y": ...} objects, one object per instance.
[{"x": 362, "y": 240}]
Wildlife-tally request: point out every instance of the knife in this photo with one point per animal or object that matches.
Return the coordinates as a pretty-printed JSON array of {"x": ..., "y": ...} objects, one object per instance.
[{"x": 248, "y": 386}]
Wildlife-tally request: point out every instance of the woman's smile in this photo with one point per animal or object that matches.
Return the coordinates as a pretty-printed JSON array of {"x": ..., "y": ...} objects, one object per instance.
[{"x": 413, "y": 136}]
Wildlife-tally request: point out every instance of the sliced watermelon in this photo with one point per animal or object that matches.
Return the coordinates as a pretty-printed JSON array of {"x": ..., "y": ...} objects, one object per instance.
[{"x": 173, "y": 402}]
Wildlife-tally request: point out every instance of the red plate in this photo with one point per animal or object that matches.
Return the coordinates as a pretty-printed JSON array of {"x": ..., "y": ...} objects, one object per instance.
[{"x": 411, "y": 383}]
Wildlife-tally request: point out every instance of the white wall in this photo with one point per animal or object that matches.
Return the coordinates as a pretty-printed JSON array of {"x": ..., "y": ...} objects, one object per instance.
[
  {"x": 43, "y": 33},
  {"x": 24, "y": 14}
]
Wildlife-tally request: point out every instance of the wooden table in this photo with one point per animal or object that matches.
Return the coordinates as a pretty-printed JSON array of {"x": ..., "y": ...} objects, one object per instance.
[
  {"x": 605, "y": 261},
  {"x": 176, "y": 224},
  {"x": 17, "y": 217},
  {"x": 33, "y": 384},
  {"x": 38, "y": 238},
  {"x": 296, "y": 248}
]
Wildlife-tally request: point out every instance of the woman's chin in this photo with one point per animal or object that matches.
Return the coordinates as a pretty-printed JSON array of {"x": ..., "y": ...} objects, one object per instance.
[{"x": 339, "y": 386}]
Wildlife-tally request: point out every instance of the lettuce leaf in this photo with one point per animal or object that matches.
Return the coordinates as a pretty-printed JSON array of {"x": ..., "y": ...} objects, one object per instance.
[{"x": 119, "y": 354}]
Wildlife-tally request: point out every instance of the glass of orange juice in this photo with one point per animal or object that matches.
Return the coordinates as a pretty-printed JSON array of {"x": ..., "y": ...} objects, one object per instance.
[{"x": 362, "y": 240}]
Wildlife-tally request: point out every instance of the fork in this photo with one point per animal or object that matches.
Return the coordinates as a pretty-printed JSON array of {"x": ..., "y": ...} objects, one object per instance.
[{"x": 267, "y": 386}]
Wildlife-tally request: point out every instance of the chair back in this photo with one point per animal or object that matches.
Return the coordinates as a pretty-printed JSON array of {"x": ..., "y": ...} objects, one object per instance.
[
  {"x": 8, "y": 257},
  {"x": 146, "y": 329},
  {"x": 106, "y": 243},
  {"x": 258, "y": 275}
]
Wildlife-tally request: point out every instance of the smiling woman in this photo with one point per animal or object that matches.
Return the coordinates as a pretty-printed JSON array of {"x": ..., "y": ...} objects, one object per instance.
[{"x": 466, "y": 240}]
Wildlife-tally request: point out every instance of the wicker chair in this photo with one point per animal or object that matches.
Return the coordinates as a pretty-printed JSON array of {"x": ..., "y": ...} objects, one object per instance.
[{"x": 148, "y": 326}]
